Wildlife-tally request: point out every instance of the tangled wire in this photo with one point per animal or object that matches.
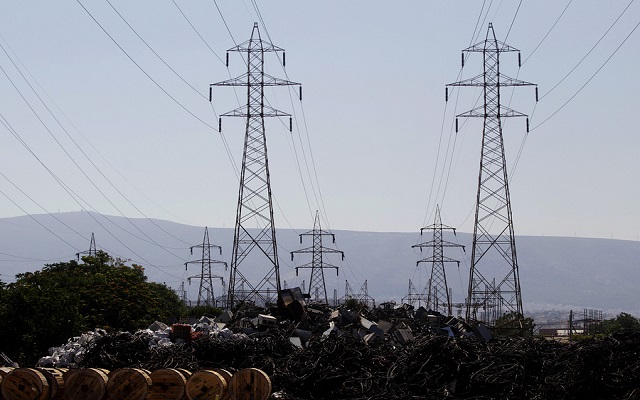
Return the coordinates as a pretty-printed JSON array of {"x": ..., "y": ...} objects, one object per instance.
[{"x": 434, "y": 367}]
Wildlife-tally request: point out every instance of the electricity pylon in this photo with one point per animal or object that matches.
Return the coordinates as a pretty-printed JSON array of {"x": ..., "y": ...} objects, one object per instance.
[
  {"x": 438, "y": 298},
  {"x": 494, "y": 247},
  {"x": 413, "y": 296},
  {"x": 92, "y": 252},
  {"x": 182, "y": 294},
  {"x": 255, "y": 205},
  {"x": 205, "y": 292},
  {"x": 317, "y": 285}
]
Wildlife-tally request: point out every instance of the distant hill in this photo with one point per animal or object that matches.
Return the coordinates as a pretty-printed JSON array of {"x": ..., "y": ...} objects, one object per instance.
[{"x": 555, "y": 272}]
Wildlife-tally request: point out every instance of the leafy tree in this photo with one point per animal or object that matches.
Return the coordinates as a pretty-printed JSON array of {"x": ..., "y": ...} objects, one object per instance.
[
  {"x": 621, "y": 322},
  {"x": 513, "y": 324},
  {"x": 199, "y": 311},
  {"x": 44, "y": 308}
]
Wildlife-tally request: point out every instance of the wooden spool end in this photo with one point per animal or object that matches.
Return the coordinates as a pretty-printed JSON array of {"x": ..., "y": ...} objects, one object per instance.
[
  {"x": 206, "y": 384},
  {"x": 168, "y": 384},
  {"x": 55, "y": 379},
  {"x": 227, "y": 377},
  {"x": 250, "y": 384},
  {"x": 129, "y": 384},
  {"x": 25, "y": 384},
  {"x": 187, "y": 374},
  {"x": 4, "y": 371},
  {"x": 86, "y": 384}
]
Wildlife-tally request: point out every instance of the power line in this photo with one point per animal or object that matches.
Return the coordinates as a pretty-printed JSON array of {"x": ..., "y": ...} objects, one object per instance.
[
  {"x": 591, "y": 78},
  {"x": 106, "y": 160},
  {"x": 83, "y": 153},
  {"x": 154, "y": 52},
  {"x": 592, "y": 48},
  {"x": 548, "y": 32},
  {"x": 142, "y": 69}
]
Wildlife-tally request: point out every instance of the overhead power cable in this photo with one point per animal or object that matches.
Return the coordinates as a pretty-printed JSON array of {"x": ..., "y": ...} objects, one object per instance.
[
  {"x": 70, "y": 191},
  {"x": 548, "y": 32},
  {"x": 152, "y": 241},
  {"x": 590, "y": 50},
  {"x": 75, "y": 162},
  {"x": 154, "y": 52},
  {"x": 142, "y": 69},
  {"x": 105, "y": 159},
  {"x": 590, "y": 79}
]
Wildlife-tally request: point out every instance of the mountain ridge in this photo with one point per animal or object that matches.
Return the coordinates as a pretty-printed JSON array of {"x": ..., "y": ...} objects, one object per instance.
[{"x": 555, "y": 271}]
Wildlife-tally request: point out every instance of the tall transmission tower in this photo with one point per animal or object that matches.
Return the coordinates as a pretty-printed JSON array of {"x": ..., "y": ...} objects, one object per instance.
[
  {"x": 92, "y": 252},
  {"x": 205, "y": 292},
  {"x": 494, "y": 247},
  {"x": 317, "y": 286},
  {"x": 255, "y": 205},
  {"x": 438, "y": 297}
]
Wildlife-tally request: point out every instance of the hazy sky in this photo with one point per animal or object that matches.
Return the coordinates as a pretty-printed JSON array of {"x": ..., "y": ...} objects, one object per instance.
[{"x": 373, "y": 145}]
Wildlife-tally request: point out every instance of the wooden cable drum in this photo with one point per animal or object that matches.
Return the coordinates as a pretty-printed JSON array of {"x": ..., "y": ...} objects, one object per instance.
[
  {"x": 250, "y": 384},
  {"x": 227, "y": 377},
  {"x": 25, "y": 384},
  {"x": 187, "y": 374},
  {"x": 128, "y": 384},
  {"x": 168, "y": 384},
  {"x": 55, "y": 379},
  {"x": 206, "y": 384},
  {"x": 4, "y": 371},
  {"x": 86, "y": 384}
]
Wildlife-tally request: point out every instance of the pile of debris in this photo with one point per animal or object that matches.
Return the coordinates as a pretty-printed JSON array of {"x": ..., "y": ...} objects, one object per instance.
[{"x": 389, "y": 352}]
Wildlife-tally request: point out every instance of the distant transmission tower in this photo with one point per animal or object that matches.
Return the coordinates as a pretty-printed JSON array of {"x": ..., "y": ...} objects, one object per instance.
[
  {"x": 438, "y": 298},
  {"x": 205, "y": 292},
  {"x": 414, "y": 297},
  {"x": 317, "y": 285},
  {"x": 348, "y": 293},
  {"x": 494, "y": 247},
  {"x": 92, "y": 252},
  {"x": 182, "y": 294},
  {"x": 255, "y": 205},
  {"x": 363, "y": 296}
]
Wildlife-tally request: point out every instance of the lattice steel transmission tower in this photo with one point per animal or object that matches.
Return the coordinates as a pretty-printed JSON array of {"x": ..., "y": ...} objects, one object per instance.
[
  {"x": 494, "y": 247},
  {"x": 317, "y": 286},
  {"x": 205, "y": 291},
  {"x": 92, "y": 252},
  {"x": 255, "y": 205},
  {"x": 414, "y": 297},
  {"x": 182, "y": 294},
  {"x": 438, "y": 298}
]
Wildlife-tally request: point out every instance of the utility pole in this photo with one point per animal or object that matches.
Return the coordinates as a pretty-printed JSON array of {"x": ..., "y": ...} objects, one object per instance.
[
  {"x": 438, "y": 292},
  {"x": 317, "y": 285},
  {"x": 205, "y": 292},
  {"x": 92, "y": 252},
  {"x": 494, "y": 247},
  {"x": 255, "y": 204}
]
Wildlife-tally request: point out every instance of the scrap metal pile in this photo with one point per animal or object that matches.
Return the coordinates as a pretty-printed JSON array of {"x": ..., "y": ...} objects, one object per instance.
[{"x": 386, "y": 353}]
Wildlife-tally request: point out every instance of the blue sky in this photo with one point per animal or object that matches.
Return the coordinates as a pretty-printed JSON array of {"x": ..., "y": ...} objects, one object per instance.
[{"x": 373, "y": 145}]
